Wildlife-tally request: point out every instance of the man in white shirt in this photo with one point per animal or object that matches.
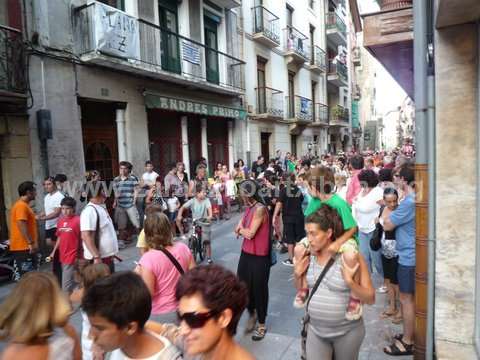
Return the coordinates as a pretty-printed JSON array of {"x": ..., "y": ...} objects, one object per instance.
[
  {"x": 99, "y": 238},
  {"x": 51, "y": 213},
  {"x": 149, "y": 176}
]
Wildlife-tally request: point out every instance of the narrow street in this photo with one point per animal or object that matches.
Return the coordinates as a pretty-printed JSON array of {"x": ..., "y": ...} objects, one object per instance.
[{"x": 282, "y": 341}]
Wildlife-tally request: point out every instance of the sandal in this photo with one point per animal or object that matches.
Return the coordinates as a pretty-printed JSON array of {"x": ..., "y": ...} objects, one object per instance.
[
  {"x": 387, "y": 314},
  {"x": 259, "y": 333},
  {"x": 398, "y": 348}
]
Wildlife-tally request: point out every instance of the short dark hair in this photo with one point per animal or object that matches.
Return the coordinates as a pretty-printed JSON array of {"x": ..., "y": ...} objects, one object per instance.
[
  {"x": 148, "y": 162},
  {"x": 385, "y": 175},
  {"x": 121, "y": 298},
  {"x": 199, "y": 187},
  {"x": 390, "y": 191},
  {"x": 60, "y": 178},
  {"x": 49, "y": 178},
  {"x": 68, "y": 201},
  {"x": 260, "y": 157},
  {"x": 25, "y": 187},
  {"x": 357, "y": 162},
  {"x": 406, "y": 172},
  {"x": 306, "y": 162},
  {"x": 368, "y": 177},
  {"x": 124, "y": 163},
  {"x": 219, "y": 288},
  {"x": 172, "y": 166},
  {"x": 200, "y": 166}
]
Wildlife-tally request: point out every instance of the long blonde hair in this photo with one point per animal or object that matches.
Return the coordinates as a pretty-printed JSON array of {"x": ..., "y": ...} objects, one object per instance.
[
  {"x": 33, "y": 309},
  {"x": 158, "y": 233}
]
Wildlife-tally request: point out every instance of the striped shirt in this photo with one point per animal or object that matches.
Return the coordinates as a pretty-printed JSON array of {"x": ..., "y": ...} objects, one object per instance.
[
  {"x": 328, "y": 305},
  {"x": 124, "y": 190}
]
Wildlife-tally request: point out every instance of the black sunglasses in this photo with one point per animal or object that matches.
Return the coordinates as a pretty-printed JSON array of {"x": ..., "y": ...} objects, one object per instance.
[{"x": 196, "y": 320}]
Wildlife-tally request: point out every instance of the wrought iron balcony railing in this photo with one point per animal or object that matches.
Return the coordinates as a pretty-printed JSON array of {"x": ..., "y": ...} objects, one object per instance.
[
  {"x": 320, "y": 113},
  {"x": 12, "y": 61},
  {"x": 296, "y": 42},
  {"x": 299, "y": 108},
  {"x": 339, "y": 114},
  {"x": 269, "y": 102},
  {"x": 157, "y": 50},
  {"x": 337, "y": 68},
  {"x": 318, "y": 58},
  {"x": 334, "y": 22},
  {"x": 267, "y": 23}
]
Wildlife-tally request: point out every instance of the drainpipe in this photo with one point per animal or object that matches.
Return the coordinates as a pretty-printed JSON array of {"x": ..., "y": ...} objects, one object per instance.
[
  {"x": 430, "y": 350},
  {"x": 422, "y": 180}
]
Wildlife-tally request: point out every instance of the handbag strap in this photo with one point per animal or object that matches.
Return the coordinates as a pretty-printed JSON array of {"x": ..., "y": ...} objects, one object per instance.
[
  {"x": 327, "y": 267},
  {"x": 173, "y": 260},
  {"x": 97, "y": 229}
]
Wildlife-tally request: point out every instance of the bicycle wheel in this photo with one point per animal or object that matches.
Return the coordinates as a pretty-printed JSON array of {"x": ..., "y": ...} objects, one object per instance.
[{"x": 200, "y": 250}]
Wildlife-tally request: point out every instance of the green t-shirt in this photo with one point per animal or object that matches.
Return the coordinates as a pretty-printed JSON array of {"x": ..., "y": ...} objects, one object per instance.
[
  {"x": 338, "y": 204},
  {"x": 291, "y": 166}
]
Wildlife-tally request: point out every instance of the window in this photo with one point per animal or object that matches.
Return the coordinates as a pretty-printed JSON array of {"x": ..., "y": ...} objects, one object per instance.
[
  {"x": 119, "y": 4},
  {"x": 289, "y": 16},
  {"x": 3, "y": 13},
  {"x": 312, "y": 44},
  {"x": 261, "y": 83},
  {"x": 291, "y": 94},
  {"x": 314, "y": 95}
]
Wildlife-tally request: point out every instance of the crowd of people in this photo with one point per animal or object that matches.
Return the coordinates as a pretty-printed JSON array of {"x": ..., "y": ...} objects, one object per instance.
[{"x": 340, "y": 218}]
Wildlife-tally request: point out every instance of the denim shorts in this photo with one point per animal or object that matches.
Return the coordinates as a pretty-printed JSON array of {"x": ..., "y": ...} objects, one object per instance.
[{"x": 406, "y": 279}]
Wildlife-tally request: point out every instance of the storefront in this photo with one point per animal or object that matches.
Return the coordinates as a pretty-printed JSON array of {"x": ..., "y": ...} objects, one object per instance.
[{"x": 186, "y": 130}]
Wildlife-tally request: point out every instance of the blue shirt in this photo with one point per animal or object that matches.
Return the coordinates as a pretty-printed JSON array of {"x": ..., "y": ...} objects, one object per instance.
[
  {"x": 125, "y": 190},
  {"x": 404, "y": 220}
]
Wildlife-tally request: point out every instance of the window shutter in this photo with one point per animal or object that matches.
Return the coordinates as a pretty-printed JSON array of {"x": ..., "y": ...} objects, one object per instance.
[{"x": 146, "y": 10}]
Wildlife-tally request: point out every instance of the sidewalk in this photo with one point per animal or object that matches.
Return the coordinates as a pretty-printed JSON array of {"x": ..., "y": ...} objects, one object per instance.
[{"x": 282, "y": 340}]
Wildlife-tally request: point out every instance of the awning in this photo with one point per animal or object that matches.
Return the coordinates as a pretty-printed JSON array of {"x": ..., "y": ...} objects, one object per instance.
[{"x": 154, "y": 101}]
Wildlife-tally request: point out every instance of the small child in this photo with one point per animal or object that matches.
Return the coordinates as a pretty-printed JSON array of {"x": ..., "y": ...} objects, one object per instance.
[
  {"x": 321, "y": 183},
  {"x": 87, "y": 278},
  {"x": 217, "y": 194},
  {"x": 69, "y": 244},
  {"x": 173, "y": 205}
]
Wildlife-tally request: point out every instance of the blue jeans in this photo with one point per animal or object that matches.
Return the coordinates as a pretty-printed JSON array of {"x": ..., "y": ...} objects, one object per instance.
[{"x": 373, "y": 258}]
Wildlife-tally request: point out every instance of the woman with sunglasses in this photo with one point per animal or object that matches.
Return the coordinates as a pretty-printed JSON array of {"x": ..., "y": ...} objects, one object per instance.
[{"x": 211, "y": 301}]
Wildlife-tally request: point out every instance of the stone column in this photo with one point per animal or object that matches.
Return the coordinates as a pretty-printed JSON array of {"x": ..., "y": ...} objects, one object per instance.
[
  {"x": 204, "y": 139},
  {"x": 185, "y": 153},
  {"x": 122, "y": 146},
  {"x": 230, "y": 144}
]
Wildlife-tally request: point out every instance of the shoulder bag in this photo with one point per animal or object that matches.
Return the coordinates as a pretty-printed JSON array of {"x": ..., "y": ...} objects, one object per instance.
[
  {"x": 173, "y": 260},
  {"x": 376, "y": 240},
  {"x": 306, "y": 317},
  {"x": 81, "y": 263}
]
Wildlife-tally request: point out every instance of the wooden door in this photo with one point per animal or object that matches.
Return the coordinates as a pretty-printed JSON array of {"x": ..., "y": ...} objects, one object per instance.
[
  {"x": 265, "y": 145},
  {"x": 101, "y": 151}
]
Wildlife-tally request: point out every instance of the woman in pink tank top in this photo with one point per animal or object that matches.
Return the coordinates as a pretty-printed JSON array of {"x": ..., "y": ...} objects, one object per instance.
[{"x": 254, "y": 263}]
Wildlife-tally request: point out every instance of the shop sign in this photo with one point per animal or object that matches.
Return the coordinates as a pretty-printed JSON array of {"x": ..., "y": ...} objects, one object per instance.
[
  {"x": 187, "y": 106},
  {"x": 116, "y": 33}
]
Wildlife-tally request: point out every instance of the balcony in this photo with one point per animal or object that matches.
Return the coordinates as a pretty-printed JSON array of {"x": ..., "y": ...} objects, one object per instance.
[
  {"x": 337, "y": 73},
  {"x": 296, "y": 46},
  {"x": 318, "y": 61},
  {"x": 320, "y": 115},
  {"x": 13, "y": 83},
  {"x": 228, "y": 4},
  {"x": 299, "y": 109},
  {"x": 109, "y": 37},
  {"x": 336, "y": 29},
  {"x": 269, "y": 103},
  {"x": 339, "y": 116},
  {"x": 265, "y": 27},
  {"x": 356, "y": 56}
]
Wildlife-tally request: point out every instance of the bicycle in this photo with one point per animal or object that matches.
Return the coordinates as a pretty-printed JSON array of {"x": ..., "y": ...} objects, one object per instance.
[{"x": 195, "y": 241}]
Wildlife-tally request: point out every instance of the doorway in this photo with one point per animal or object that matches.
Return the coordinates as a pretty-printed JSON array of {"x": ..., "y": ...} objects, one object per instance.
[
  {"x": 167, "y": 11},
  {"x": 265, "y": 145},
  {"x": 211, "y": 55},
  {"x": 293, "y": 140},
  {"x": 100, "y": 138}
]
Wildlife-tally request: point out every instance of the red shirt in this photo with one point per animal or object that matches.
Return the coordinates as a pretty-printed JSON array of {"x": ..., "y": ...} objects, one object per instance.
[
  {"x": 259, "y": 244},
  {"x": 68, "y": 233}
]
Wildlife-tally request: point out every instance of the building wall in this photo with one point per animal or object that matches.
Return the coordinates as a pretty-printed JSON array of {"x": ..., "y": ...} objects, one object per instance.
[
  {"x": 277, "y": 73},
  {"x": 456, "y": 203}
]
